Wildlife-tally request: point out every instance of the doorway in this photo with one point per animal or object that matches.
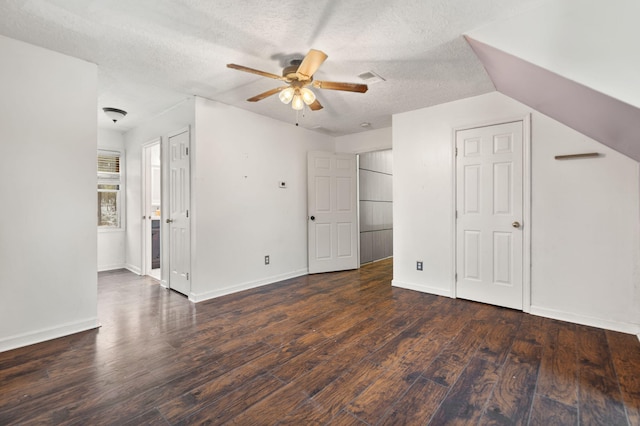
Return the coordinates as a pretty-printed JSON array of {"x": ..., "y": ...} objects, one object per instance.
[
  {"x": 375, "y": 189},
  {"x": 492, "y": 220},
  {"x": 152, "y": 214}
]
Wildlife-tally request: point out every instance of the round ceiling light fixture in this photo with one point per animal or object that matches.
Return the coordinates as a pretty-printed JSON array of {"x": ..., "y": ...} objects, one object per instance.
[{"x": 114, "y": 114}]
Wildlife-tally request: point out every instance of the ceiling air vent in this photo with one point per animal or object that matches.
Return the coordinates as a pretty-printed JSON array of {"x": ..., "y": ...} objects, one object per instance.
[{"x": 370, "y": 77}]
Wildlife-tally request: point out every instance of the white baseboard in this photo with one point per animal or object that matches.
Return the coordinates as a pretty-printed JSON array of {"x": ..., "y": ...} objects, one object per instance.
[
  {"x": 103, "y": 268},
  {"x": 136, "y": 270},
  {"x": 422, "y": 288},
  {"x": 622, "y": 327},
  {"x": 194, "y": 297},
  {"x": 34, "y": 337}
]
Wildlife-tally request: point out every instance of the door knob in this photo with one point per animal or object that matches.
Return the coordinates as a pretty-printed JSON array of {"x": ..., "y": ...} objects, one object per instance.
[
  {"x": 516, "y": 224},
  {"x": 312, "y": 218},
  {"x": 169, "y": 220}
]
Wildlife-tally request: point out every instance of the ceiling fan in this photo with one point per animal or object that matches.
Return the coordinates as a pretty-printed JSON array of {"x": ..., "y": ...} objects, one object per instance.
[{"x": 299, "y": 75}]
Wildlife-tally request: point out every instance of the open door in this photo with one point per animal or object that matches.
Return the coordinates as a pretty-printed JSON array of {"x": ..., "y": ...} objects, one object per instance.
[
  {"x": 178, "y": 217},
  {"x": 332, "y": 212}
]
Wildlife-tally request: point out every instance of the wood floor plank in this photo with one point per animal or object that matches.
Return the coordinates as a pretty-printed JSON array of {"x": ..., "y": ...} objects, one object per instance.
[
  {"x": 600, "y": 400},
  {"x": 558, "y": 379},
  {"x": 547, "y": 412},
  {"x": 322, "y": 375},
  {"x": 345, "y": 418},
  {"x": 372, "y": 403},
  {"x": 447, "y": 367},
  {"x": 273, "y": 407},
  {"x": 233, "y": 403},
  {"x": 513, "y": 395},
  {"x": 498, "y": 342},
  {"x": 593, "y": 351},
  {"x": 150, "y": 418},
  {"x": 340, "y": 392},
  {"x": 465, "y": 401},
  {"x": 625, "y": 350},
  {"x": 417, "y": 405},
  {"x": 309, "y": 413}
]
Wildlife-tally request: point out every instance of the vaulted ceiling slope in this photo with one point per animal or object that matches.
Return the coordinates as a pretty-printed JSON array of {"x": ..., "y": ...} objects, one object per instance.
[
  {"x": 152, "y": 54},
  {"x": 575, "y": 61}
]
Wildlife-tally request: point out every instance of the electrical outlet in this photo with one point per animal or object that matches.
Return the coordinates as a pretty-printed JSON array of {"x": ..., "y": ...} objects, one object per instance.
[
  {"x": 266, "y": 260},
  {"x": 419, "y": 265}
]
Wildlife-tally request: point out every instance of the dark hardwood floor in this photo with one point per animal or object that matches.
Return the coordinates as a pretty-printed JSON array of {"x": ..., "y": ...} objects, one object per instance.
[{"x": 343, "y": 349}]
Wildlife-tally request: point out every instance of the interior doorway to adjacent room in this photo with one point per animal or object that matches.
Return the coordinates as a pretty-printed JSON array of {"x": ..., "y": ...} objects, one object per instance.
[
  {"x": 152, "y": 214},
  {"x": 376, "y": 205}
]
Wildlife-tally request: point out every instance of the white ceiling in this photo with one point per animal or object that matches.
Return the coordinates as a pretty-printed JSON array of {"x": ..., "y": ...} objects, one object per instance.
[{"x": 152, "y": 54}]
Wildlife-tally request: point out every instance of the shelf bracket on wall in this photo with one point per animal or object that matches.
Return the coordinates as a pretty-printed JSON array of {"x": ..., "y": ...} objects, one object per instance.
[{"x": 570, "y": 156}]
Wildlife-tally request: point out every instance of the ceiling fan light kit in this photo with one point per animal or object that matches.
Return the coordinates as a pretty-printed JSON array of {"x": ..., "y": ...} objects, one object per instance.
[{"x": 299, "y": 75}]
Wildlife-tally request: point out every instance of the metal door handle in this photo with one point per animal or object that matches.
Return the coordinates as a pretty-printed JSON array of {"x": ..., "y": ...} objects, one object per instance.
[
  {"x": 312, "y": 218},
  {"x": 516, "y": 224},
  {"x": 169, "y": 220}
]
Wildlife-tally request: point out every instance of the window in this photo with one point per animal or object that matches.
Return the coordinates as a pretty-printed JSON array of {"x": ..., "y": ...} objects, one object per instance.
[{"x": 109, "y": 185}]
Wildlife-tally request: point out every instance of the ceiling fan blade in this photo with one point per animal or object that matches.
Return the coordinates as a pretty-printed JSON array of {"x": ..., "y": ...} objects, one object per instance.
[
  {"x": 315, "y": 105},
  {"x": 310, "y": 64},
  {"x": 266, "y": 94},
  {"x": 347, "y": 87},
  {"x": 254, "y": 71}
]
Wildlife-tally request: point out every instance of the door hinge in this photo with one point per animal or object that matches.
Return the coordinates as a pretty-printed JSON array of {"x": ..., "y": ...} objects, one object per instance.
[
  {"x": 456, "y": 278},
  {"x": 187, "y": 213},
  {"x": 187, "y": 150},
  {"x": 456, "y": 151},
  {"x": 456, "y": 214},
  {"x": 187, "y": 276}
]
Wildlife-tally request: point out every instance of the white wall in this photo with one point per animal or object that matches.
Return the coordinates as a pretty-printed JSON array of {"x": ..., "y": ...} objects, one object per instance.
[
  {"x": 239, "y": 212},
  {"x": 591, "y": 42},
  {"x": 111, "y": 252},
  {"x": 371, "y": 140},
  {"x": 585, "y": 228},
  {"x": 48, "y": 284},
  {"x": 174, "y": 119}
]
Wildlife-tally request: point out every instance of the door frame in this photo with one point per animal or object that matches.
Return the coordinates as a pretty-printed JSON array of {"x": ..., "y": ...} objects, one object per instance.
[
  {"x": 145, "y": 248},
  {"x": 526, "y": 201}
]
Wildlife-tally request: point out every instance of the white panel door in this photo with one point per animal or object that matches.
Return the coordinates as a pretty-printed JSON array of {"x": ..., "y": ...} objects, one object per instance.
[
  {"x": 489, "y": 208},
  {"x": 179, "y": 222},
  {"x": 333, "y": 215}
]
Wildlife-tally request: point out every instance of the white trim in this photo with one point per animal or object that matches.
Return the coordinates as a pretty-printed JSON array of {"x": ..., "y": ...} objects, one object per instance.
[
  {"x": 526, "y": 213},
  {"x": 112, "y": 267},
  {"x": 526, "y": 203},
  {"x": 45, "y": 334},
  {"x": 454, "y": 220},
  {"x": 246, "y": 286},
  {"x": 622, "y": 327},
  {"x": 136, "y": 270},
  {"x": 421, "y": 288}
]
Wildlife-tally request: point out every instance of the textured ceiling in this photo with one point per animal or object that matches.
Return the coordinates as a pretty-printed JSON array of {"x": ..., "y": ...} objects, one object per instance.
[{"x": 152, "y": 54}]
